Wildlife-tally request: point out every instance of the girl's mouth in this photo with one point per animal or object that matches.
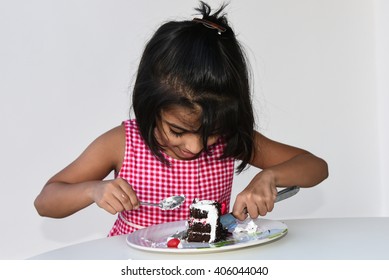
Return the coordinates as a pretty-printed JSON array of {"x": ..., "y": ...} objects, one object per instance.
[{"x": 187, "y": 155}]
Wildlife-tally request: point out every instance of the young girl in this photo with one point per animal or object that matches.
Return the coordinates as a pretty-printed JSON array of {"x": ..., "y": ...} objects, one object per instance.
[{"x": 193, "y": 121}]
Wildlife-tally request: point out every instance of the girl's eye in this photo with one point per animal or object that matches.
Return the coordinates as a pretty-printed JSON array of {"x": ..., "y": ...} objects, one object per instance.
[{"x": 176, "y": 134}]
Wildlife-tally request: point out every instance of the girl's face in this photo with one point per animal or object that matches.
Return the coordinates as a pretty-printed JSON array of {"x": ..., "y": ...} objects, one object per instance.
[{"x": 177, "y": 132}]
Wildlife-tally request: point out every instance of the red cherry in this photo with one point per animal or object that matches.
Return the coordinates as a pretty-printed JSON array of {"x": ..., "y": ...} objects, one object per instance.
[
  {"x": 173, "y": 243},
  {"x": 223, "y": 208}
]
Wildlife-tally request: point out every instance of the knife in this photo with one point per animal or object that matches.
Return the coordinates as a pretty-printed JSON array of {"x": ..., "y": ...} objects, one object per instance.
[{"x": 229, "y": 221}]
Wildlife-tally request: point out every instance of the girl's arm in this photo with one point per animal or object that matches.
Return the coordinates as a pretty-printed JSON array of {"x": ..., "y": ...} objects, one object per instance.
[
  {"x": 81, "y": 183},
  {"x": 282, "y": 166}
]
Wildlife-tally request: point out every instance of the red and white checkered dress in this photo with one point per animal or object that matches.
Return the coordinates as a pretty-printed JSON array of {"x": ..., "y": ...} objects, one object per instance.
[{"x": 206, "y": 177}]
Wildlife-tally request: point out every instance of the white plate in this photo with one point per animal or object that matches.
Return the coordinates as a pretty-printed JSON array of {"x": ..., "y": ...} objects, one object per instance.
[{"x": 154, "y": 238}]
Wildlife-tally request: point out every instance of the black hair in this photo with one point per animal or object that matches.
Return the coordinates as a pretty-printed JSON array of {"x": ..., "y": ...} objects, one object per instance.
[{"x": 192, "y": 64}]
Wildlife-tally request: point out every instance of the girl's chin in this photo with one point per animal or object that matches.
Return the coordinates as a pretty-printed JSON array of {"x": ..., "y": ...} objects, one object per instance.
[
  {"x": 187, "y": 155},
  {"x": 183, "y": 155},
  {"x": 177, "y": 153}
]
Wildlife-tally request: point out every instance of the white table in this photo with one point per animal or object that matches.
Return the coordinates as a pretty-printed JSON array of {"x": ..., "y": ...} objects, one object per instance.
[{"x": 307, "y": 239}]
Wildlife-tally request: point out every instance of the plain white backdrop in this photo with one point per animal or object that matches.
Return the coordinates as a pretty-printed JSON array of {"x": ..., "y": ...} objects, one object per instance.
[{"x": 320, "y": 70}]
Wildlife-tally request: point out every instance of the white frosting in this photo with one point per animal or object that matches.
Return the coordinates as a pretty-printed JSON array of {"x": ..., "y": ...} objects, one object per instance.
[
  {"x": 173, "y": 202},
  {"x": 247, "y": 226},
  {"x": 209, "y": 207}
]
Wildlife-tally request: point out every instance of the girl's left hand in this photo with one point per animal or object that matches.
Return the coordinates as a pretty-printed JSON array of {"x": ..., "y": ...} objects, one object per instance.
[{"x": 257, "y": 198}]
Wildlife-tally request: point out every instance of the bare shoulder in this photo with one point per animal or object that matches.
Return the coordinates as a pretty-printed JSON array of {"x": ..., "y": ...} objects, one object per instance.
[
  {"x": 110, "y": 146},
  {"x": 113, "y": 138},
  {"x": 104, "y": 155}
]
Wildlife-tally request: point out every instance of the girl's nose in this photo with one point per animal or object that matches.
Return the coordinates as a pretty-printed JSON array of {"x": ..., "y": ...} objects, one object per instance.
[{"x": 194, "y": 144}]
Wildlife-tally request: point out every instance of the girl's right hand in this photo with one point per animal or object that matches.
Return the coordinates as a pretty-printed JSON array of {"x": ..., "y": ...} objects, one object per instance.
[{"x": 115, "y": 196}]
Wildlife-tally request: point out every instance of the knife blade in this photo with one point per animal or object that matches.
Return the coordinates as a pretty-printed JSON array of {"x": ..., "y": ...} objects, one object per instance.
[{"x": 229, "y": 221}]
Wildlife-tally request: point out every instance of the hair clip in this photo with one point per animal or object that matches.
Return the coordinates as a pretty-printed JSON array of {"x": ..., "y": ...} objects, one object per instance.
[{"x": 210, "y": 24}]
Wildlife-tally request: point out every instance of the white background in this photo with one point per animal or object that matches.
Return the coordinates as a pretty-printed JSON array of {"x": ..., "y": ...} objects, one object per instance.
[{"x": 66, "y": 68}]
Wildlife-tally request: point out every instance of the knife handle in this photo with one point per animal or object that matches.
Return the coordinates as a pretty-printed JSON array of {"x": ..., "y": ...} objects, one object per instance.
[
  {"x": 286, "y": 193},
  {"x": 281, "y": 195}
]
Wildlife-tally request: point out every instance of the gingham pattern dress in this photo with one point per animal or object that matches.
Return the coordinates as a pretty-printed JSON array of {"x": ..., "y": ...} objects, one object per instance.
[{"x": 207, "y": 177}]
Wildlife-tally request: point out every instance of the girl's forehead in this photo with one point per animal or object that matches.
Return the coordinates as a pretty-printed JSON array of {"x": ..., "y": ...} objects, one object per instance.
[{"x": 182, "y": 116}]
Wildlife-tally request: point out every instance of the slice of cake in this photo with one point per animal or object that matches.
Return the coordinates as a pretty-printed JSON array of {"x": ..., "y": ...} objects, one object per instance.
[{"x": 204, "y": 222}]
